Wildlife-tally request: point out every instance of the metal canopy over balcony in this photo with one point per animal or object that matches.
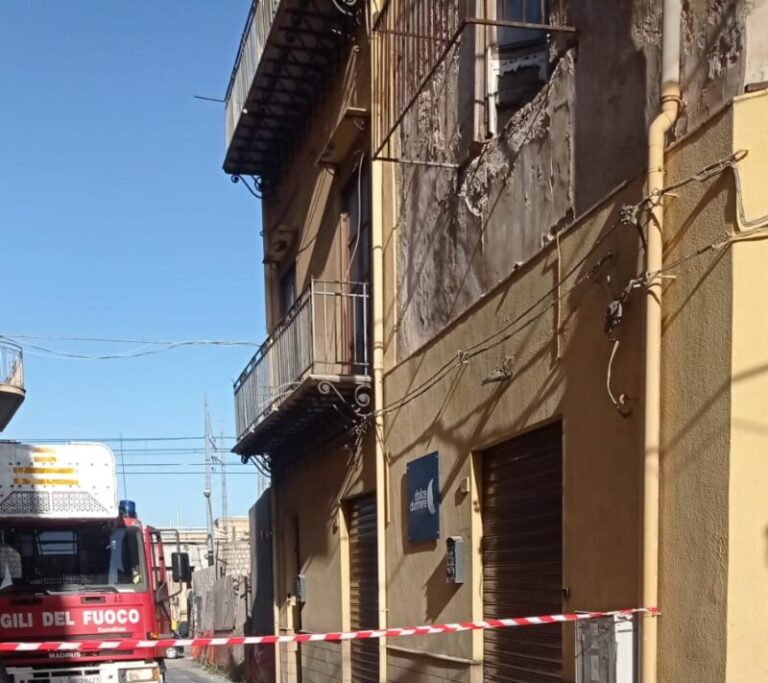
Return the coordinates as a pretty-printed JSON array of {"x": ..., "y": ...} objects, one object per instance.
[
  {"x": 11, "y": 381},
  {"x": 310, "y": 381},
  {"x": 288, "y": 49}
]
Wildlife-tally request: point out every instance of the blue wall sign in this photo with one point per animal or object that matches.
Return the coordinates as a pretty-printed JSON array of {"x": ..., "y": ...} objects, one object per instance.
[{"x": 423, "y": 483}]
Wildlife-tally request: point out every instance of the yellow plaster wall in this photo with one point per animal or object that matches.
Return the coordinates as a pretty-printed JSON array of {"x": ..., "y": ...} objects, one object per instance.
[
  {"x": 312, "y": 495},
  {"x": 459, "y": 416},
  {"x": 748, "y": 519},
  {"x": 695, "y": 407}
]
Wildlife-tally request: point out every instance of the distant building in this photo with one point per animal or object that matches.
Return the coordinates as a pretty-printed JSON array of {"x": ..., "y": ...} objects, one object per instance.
[
  {"x": 232, "y": 546},
  {"x": 193, "y": 541}
]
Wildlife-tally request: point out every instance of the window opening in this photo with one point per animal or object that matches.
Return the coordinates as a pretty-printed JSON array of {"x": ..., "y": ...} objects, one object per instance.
[
  {"x": 415, "y": 45},
  {"x": 519, "y": 60},
  {"x": 524, "y": 11},
  {"x": 287, "y": 290},
  {"x": 356, "y": 198},
  {"x": 92, "y": 556}
]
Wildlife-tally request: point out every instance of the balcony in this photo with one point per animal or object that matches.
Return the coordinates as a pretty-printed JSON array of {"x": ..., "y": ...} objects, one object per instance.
[
  {"x": 311, "y": 379},
  {"x": 288, "y": 50},
  {"x": 11, "y": 381}
]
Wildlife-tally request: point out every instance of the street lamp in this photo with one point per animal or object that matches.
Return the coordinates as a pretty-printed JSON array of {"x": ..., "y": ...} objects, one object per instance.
[{"x": 209, "y": 552}]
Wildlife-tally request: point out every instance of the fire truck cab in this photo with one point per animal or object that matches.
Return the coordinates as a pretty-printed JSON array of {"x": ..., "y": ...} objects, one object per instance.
[{"x": 76, "y": 565}]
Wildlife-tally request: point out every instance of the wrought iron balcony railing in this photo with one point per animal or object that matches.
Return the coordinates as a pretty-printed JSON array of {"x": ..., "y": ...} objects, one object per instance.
[
  {"x": 320, "y": 349},
  {"x": 257, "y": 28},
  {"x": 288, "y": 50},
  {"x": 11, "y": 365},
  {"x": 11, "y": 381}
]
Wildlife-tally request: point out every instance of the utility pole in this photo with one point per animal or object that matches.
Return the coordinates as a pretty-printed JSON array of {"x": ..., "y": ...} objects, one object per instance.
[
  {"x": 207, "y": 489},
  {"x": 224, "y": 501}
]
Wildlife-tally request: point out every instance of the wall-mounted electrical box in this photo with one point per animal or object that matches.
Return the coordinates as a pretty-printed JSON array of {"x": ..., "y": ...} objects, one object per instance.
[
  {"x": 606, "y": 650},
  {"x": 454, "y": 559},
  {"x": 300, "y": 588}
]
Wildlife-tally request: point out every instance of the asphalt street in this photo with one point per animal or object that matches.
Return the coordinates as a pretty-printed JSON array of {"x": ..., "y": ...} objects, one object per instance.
[{"x": 187, "y": 671}]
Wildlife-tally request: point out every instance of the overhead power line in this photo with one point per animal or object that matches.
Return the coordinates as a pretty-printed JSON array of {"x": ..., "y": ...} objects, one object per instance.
[
  {"x": 121, "y": 340},
  {"x": 115, "y": 439},
  {"x": 176, "y": 464},
  {"x": 148, "y": 347},
  {"x": 174, "y": 473}
]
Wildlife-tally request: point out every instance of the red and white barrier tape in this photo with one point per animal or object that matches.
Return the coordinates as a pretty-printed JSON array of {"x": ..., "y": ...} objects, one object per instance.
[{"x": 97, "y": 645}]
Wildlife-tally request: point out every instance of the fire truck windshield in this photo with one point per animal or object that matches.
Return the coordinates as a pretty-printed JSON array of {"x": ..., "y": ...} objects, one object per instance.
[{"x": 78, "y": 556}]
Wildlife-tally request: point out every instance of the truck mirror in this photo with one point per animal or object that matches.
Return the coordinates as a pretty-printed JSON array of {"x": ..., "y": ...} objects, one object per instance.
[{"x": 180, "y": 569}]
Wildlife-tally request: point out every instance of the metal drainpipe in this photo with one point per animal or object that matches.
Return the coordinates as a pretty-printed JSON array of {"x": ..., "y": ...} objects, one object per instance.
[
  {"x": 377, "y": 294},
  {"x": 276, "y": 551},
  {"x": 670, "y": 107},
  {"x": 377, "y": 328}
]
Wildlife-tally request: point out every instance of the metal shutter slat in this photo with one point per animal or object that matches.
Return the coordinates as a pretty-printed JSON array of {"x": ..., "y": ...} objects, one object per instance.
[
  {"x": 364, "y": 595},
  {"x": 522, "y": 555}
]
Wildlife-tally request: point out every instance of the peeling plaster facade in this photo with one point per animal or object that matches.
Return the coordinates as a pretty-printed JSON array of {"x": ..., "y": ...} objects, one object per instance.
[{"x": 461, "y": 231}]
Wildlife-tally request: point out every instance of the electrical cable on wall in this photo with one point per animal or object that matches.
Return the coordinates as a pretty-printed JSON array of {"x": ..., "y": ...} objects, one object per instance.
[
  {"x": 755, "y": 227},
  {"x": 359, "y": 215}
]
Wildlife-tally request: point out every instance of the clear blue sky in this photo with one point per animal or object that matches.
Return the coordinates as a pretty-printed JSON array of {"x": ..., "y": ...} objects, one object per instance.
[{"x": 116, "y": 220}]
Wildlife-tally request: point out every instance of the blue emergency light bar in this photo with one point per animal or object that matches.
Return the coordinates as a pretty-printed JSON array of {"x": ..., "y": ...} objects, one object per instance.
[{"x": 127, "y": 508}]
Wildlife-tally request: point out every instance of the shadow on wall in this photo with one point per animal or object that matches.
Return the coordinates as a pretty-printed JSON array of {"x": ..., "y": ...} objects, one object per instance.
[
  {"x": 439, "y": 592},
  {"x": 610, "y": 128}
]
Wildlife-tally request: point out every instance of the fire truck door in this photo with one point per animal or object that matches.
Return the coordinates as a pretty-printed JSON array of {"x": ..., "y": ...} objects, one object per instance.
[{"x": 160, "y": 581}]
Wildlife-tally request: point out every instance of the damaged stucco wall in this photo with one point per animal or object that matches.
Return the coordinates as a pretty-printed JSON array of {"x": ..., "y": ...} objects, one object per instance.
[
  {"x": 454, "y": 239},
  {"x": 462, "y": 230}
]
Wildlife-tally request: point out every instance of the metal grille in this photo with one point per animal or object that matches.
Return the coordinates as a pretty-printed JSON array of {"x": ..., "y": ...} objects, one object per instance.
[
  {"x": 74, "y": 501},
  {"x": 364, "y": 595},
  {"x": 412, "y": 38},
  {"x": 40, "y": 675},
  {"x": 45, "y": 502},
  {"x": 23, "y": 502},
  {"x": 523, "y": 555}
]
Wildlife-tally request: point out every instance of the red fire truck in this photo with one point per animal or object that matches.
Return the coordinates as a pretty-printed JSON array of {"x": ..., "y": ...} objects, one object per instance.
[{"x": 76, "y": 565}]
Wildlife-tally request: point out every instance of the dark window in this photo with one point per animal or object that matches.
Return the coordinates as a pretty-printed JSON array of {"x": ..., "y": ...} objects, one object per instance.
[
  {"x": 357, "y": 207},
  {"x": 522, "y": 54},
  {"x": 287, "y": 290},
  {"x": 527, "y": 11}
]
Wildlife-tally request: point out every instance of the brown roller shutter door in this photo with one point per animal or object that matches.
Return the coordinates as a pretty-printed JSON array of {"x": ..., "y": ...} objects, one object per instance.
[
  {"x": 364, "y": 595},
  {"x": 523, "y": 555}
]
